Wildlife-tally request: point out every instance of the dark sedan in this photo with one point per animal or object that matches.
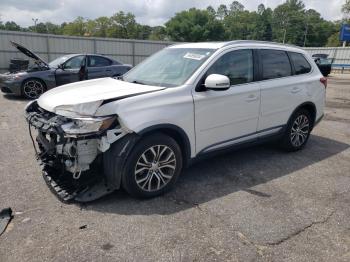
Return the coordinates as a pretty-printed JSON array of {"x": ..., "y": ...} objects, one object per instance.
[{"x": 66, "y": 69}]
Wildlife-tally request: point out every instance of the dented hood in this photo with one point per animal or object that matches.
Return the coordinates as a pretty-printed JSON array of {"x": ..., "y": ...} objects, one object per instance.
[{"x": 89, "y": 91}]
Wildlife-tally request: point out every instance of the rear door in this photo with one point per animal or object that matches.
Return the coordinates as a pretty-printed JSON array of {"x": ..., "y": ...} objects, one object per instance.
[
  {"x": 73, "y": 70},
  {"x": 224, "y": 118},
  {"x": 98, "y": 67},
  {"x": 282, "y": 90}
]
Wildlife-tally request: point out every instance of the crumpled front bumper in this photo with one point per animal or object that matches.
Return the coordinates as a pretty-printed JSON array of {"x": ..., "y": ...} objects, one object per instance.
[{"x": 72, "y": 166}]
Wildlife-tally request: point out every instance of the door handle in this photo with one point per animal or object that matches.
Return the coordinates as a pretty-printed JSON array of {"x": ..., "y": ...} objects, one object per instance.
[
  {"x": 295, "y": 90},
  {"x": 251, "y": 98}
]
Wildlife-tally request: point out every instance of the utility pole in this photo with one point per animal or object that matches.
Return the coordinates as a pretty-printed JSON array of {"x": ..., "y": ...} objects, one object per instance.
[{"x": 35, "y": 21}]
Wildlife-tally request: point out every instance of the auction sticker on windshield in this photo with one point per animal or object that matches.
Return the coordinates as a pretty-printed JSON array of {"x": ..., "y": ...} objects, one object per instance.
[{"x": 194, "y": 56}]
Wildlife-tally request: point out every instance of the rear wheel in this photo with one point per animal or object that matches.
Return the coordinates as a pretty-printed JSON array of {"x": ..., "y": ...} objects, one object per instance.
[
  {"x": 298, "y": 131},
  {"x": 152, "y": 167},
  {"x": 33, "y": 88}
]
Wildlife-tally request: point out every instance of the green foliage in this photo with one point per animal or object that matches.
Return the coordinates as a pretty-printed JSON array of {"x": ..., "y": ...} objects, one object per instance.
[
  {"x": 194, "y": 25},
  {"x": 346, "y": 7},
  {"x": 289, "y": 22}
]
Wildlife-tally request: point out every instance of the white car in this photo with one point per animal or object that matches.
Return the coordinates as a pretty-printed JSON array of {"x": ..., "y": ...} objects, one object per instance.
[{"x": 178, "y": 105}]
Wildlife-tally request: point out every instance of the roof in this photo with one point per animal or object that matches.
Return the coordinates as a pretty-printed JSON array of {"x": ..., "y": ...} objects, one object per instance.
[{"x": 218, "y": 45}]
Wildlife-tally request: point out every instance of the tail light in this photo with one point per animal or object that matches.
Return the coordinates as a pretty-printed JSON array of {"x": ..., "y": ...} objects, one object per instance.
[{"x": 323, "y": 80}]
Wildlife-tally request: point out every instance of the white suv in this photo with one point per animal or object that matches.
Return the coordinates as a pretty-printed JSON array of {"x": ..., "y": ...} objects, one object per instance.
[{"x": 178, "y": 105}]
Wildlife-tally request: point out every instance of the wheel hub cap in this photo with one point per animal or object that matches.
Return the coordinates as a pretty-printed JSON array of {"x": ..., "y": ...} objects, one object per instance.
[
  {"x": 300, "y": 130},
  {"x": 155, "y": 168}
]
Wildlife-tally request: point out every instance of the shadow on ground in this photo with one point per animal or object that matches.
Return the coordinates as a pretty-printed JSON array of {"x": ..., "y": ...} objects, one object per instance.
[
  {"x": 15, "y": 98},
  {"x": 222, "y": 175}
]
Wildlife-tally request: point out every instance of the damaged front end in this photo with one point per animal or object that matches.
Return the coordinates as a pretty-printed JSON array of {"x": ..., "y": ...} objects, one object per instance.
[{"x": 71, "y": 152}]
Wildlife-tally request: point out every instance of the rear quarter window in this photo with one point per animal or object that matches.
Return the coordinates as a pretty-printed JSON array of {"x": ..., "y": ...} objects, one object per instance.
[
  {"x": 275, "y": 64},
  {"x": 301, "y": 65}
]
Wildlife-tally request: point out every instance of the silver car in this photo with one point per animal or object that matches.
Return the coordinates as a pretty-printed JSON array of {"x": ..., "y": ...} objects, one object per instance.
[{"x": 66, "y": 69}]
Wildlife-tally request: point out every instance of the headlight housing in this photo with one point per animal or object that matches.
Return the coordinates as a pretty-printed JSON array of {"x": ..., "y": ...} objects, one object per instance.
[
  {"x": 78, "y": 110},
  {"x": 80, "y": 126}
]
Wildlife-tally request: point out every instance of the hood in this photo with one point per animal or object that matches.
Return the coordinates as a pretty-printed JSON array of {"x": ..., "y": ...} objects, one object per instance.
[
  {"x": 29, "y": 53},
  {"x": 91, "y": 91}
]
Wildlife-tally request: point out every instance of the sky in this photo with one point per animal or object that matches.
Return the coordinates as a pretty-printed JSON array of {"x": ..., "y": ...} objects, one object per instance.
[{"x": 149, "y": 12}]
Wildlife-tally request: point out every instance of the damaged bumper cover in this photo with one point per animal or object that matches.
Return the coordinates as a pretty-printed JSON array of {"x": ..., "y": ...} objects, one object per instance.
[{"x": 73, "y": 165}]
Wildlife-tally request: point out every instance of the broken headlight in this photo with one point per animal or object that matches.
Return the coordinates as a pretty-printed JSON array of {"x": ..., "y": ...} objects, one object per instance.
[{"x": 88, "y": 125}]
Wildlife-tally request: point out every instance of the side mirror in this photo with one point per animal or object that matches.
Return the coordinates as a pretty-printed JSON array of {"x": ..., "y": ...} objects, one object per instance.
[
  {"x": 60, "y": 66},
  {"x": 217, "y": 82}
]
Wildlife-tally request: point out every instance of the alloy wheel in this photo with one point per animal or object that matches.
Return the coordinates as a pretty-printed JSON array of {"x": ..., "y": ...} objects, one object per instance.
[
  {"x": 33, "y": 89},
  {"x": 155, "y": 168},
  {"x": 300, "y": 131}
]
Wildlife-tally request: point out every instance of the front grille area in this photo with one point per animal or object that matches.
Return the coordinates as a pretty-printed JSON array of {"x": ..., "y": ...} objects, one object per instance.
[{"x": 64, "y": 184}]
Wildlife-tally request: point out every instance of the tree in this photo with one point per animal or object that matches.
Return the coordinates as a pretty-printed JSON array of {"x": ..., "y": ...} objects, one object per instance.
[
  {"x": 289, "y": 22},
  {"x": 123, "y": 25},
  {"x": 12, "y": 26},
  {"x": 194, "y": 25},
  {"x": 333, "y": 40},
  {"x": 77, "y": 27},
  {"x": 211, "y": 10},
  {"x": 261, "y": 9},
  {"x": 236, "y": 7},
  {"x": 222, "y": 12},
  {"x": 158, "y": 33},
  {"x": 346, "y": 7}
]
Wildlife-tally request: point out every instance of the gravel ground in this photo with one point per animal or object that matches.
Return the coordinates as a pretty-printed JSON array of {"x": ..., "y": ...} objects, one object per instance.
[{"x": 256, "y": 204}]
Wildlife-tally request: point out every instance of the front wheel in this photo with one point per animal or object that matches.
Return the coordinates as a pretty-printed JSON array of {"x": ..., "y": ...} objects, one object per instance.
[
  {"x": 298, "y": 131},
  {"x": 152, "y": 167},
  {"x": 33, "y": 88}
]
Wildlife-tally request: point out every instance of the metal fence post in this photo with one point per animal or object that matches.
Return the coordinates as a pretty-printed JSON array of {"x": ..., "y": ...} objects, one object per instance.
[
  {"x": 48, "y": 48},
  {"x": 95, "y": 46},
  {"x": 133, "y": 54}
]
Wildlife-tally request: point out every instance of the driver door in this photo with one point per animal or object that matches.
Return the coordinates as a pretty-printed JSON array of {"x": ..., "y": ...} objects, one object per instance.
[
  {"x": 72, "y": 70},
  {"x": 224, "y": 118}
]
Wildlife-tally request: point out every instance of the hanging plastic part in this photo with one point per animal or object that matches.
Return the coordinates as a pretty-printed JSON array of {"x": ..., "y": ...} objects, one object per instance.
[{"x": 76, "y": 175}]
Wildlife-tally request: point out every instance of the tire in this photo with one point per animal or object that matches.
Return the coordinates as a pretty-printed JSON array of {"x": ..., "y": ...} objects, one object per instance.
[
  {"x": 143, "y": 176},
  {"x": 33, "y": 88},
  {"x": 298, "y": 131}
]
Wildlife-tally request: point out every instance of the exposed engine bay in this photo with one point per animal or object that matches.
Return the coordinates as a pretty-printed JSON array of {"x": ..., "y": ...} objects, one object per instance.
[{"x": 72, "y": 163}]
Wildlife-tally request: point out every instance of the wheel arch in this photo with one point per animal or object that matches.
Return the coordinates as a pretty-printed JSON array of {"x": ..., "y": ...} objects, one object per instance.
[
  {"x": 175, "y": 132},
  {"x": 310, "y": 107}
]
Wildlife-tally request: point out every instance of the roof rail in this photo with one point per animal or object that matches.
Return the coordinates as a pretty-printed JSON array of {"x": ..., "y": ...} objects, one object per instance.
[{"x": 257, "y": 42}]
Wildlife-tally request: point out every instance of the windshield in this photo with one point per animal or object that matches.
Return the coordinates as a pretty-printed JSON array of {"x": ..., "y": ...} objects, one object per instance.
[
  {"x": 58, "y": 61},
  {"x": 170, "y": 67}
]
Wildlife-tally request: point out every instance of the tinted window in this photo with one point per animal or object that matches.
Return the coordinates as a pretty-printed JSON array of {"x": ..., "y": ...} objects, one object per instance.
[
  {"x": 275, "y": 64},
  {"x": 236, "y": 65},
  {"x": 98, "y": 61},
  {"x": 75, "y": 62},
  {"x": 301, "y": 66}
]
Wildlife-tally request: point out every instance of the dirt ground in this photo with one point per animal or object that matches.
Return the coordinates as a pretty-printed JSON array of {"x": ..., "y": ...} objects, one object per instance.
[{"x": 256, "y": 204}]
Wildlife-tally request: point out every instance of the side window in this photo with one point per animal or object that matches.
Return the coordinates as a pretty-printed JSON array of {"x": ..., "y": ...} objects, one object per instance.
[
  {"x": 75, "y": 62},
  {"x": 301, "y": 65},
  {"x": 275, "y": 64},
  {"x": 236, "y": 65},
  {"x": 98, "y": 61}
]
